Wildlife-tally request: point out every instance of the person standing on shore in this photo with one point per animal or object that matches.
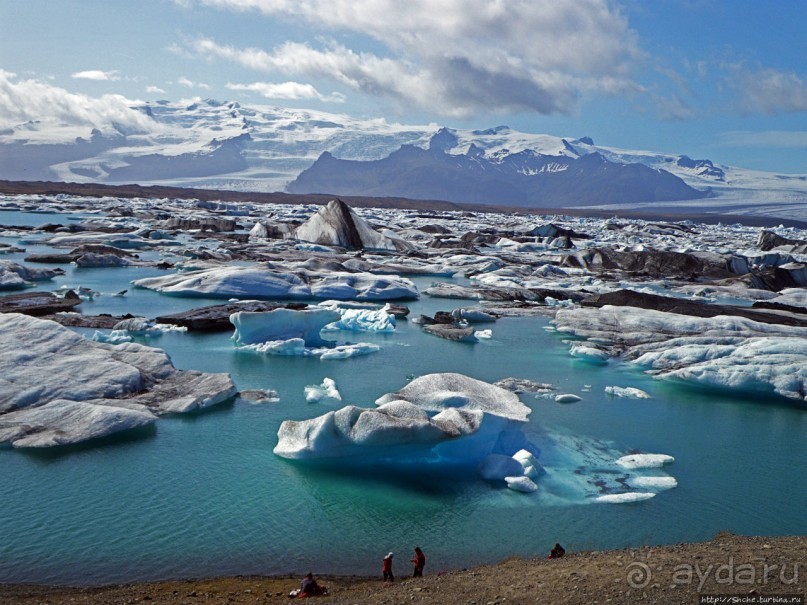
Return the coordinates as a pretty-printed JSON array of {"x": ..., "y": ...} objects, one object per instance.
[
  {"x": 386, "y": 568},
  {"x": 419, "y": 561}
]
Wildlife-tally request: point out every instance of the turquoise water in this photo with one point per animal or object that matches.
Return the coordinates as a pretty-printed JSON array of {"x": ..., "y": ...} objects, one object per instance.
[{"x": 204, "y": 494}]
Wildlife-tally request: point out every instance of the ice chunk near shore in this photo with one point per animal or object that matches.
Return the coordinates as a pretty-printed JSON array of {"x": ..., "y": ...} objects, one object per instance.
[
  {"x": 628, "y": 392},
  {"x": 635, "y": 461},
  {"x": 88, "y": 384},
  {"x": 323, "y": 393},
  {"x": 469, "y": 418},
  {"x": 589, "y": 354}
]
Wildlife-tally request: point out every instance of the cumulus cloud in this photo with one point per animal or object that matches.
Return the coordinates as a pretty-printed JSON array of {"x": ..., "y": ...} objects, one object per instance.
[
  {"x": 96, "y": 74},
  {"x": 455, "y": 57},
  {"x": 154, "y": 90},
  {"x": 183, "y": 81},
  {"x": 287, "y": 90},
  {"x": 769, "y": 91},
  {"x": 32, "y": 100}
]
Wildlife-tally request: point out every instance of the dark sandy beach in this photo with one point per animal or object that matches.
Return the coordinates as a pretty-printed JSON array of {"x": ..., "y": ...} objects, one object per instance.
[{"x": 752, "y": 568}]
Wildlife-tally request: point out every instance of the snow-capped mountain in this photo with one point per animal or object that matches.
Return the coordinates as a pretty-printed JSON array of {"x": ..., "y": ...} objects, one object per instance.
[
  {"x": 513, "y": 178},
  {"x": 262, "y": 148}
]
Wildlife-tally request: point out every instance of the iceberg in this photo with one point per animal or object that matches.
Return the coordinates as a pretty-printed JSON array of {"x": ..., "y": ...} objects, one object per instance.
[
  {"x": 436, "y": 419},
  {"x": 14, "y": 276},
  {"x": 521, "y": 484},
  {"x": 337, "y": 224},
  {"x": 253, "y": 327},
  {"x": 629, "y": 392},
  {"x": 723, "y": 351},
  {"x": 634, "y": 461},
  {"x": 653, "y": 483},
  {"x": 624, "y": 498},
  {"x": 325, "y": 392},
  {"x": 266, "y": 282},
  {"x": 90, "y": 389},
  {"x": 363, "y": 320},
  {"x": 499, "y": 466}
]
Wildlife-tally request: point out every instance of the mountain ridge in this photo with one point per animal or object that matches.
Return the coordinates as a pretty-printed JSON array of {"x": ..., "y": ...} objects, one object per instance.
[{"x": 228, "y": 146}]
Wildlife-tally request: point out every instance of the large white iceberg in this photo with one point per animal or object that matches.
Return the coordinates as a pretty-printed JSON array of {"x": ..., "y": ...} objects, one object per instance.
[
  {"x": 57, "y": 387},
  {"x": 722, "y": 351},
  {"x": 14, "y": 276},
  {"x": 282, "y": 324},
  {"x": 337, "y": 224},
  {"x": 267, "y": 282},
  {"x": 437, "y": 419}
]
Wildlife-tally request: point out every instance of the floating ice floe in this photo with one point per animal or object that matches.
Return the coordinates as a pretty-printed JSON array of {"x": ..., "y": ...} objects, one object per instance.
[
  {"x": 724, "y": 351},
  {"x": 521, "y": 484},
  {"x": 589, "y": 354},
  {"x": 435, "y": 419},
  {"x": 293, "y": 332},
  {"x": 484, "y": 334},
  {"x": 624, "y": 498},
  {"x": 363, "y": 320},
  {"x": 88, "y": 389},
  {"x": 263, "y": 282},
  {"x": 634, "y": 461},
  {"x": 282, "y": 325},
  {"x": 323, "y": 393},
  {"x": 567, "y": 398},
  {"x": 627, "y": 392},
  {"x": 14, "y": 276},
  {"x": 125, "y": 330},
  {"x": 653, "y": 483}
]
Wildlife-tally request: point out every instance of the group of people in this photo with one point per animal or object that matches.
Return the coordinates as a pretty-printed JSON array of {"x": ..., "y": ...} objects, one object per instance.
[
  {"x": 418, "y": 560},
  {"x": 310, "y": 588}
]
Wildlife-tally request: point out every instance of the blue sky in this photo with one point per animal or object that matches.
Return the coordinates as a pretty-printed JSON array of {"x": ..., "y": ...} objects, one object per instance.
[{"x": 723, "y": 79}]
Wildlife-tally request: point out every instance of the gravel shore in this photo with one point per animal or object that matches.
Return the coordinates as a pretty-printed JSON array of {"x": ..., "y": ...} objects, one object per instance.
[{"x": 753, "y": 568}]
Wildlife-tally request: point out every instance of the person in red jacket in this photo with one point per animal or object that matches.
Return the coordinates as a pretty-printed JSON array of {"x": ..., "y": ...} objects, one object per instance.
[
  {"x": 386, "y": 568},
  {"x": 419, "y": 561}
]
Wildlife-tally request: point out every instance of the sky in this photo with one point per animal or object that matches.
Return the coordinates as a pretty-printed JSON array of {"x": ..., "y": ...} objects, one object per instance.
[{"x": 718, "y": 79}]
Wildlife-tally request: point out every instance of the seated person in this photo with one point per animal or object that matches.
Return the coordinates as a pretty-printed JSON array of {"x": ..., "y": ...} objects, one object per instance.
[
  {"x": 557, "y": 552},
  {"x": 309, "y": 587}
]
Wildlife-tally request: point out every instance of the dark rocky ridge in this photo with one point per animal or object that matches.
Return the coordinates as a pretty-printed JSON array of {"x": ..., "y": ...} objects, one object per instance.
[
  {"x": 668, "y": 304},
  {"x": 523, "y": 179}
]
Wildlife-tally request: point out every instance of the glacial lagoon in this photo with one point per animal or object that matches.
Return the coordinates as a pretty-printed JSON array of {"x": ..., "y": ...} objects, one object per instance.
[{"x": 203, "y": 494}]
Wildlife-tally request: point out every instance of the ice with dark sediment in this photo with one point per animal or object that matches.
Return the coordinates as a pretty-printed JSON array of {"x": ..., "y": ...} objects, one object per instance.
[
  {"x": 448, "y": 418},
  {"x": 58, "y": 388},
  {"x": 263, "y": 282},
  {"x": 722, "y": 351}
]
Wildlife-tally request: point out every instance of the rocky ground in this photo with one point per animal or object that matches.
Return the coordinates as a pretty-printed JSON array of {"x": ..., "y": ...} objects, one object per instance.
[{"x": 753, "y": 568}]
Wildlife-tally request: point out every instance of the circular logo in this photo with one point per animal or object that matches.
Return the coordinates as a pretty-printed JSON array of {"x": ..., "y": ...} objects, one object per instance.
[{"x": 639, "y": 575}]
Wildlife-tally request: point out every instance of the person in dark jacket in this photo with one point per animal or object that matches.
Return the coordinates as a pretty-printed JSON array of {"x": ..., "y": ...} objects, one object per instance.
[
  {"x": 310, "y": 588},
  {"x": 419, "y": 561},
  {"x": 386, "y": 568},
  {"x": 557, "y": 552}
]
